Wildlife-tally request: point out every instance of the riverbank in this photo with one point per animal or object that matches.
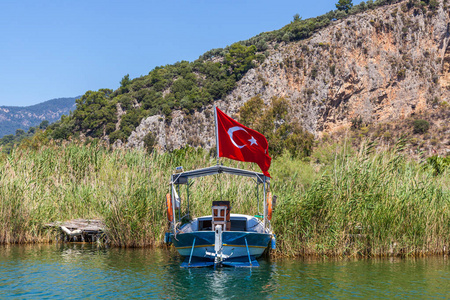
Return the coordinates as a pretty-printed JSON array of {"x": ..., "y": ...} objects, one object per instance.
[{"x": 345, "y": 203}]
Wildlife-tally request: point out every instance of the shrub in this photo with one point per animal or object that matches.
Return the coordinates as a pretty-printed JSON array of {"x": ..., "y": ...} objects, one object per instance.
[
  {"x": 333, "y": 69},
  {"x": 117, "y": 135},
  {"x": 357, "y": 122},
  {"x": 401, "y": 73},
  {"x": 420, "y": 126},
  {"x": 314, "y": 73}
]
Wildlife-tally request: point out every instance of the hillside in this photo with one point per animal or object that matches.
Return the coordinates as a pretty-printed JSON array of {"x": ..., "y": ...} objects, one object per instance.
[
  {"x": 374, "y": 72},
  {"x": 15, "y": 117}
]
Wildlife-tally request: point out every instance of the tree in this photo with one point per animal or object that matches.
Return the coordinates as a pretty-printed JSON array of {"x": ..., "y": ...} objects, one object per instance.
[
  {"x": 125, "y": 80},
  {"x": 124, "y": 83},
  {"x": 149, "y": 142},
  {"x": 275, "y": 123},
  {"x": 94, "y": 111},
  {"x": 344, "y": 5},
  {"x": 251, "y": 111},
  {"x": 240, "y": 59},
  {"x": 43, "y": 125},
  {"x": 20, "y": 132}
]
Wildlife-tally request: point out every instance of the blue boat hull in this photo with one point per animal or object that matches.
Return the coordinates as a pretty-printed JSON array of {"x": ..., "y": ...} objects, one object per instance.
[{"x": 234, "y": 243}]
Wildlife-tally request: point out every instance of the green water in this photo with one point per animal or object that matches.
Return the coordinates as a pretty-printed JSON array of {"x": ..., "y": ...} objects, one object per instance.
[{"x": 85, "y": 271}]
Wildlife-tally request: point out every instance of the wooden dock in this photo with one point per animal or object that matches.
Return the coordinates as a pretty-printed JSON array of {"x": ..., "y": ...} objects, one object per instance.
[{"x": 81, "y": 230}]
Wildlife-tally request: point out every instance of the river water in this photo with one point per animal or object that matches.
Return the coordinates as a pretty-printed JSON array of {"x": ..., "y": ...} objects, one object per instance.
[{"x": 83, "y": 271}]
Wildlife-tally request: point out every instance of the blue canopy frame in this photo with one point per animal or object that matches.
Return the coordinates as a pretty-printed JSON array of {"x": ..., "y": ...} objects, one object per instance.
[{"x": 183, "y": 178}]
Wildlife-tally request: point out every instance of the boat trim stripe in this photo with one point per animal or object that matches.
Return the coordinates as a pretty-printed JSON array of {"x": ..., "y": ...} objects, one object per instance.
[{"x": 212, "y": 245}]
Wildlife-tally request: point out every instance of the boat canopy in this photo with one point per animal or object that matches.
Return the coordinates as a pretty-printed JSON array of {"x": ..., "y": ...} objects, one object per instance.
[{"x": 182, "y": 178}]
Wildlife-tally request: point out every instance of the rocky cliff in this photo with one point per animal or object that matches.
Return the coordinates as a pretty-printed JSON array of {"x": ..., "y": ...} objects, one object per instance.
[{"x": 381, "y": 66}]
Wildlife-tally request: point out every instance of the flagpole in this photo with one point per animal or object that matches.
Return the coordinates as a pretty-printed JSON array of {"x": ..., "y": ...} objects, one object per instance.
[{"x": 217, "y": 133}]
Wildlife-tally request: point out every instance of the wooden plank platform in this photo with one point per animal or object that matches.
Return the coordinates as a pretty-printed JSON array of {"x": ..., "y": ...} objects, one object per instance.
[{"x": 81, "y": 230}]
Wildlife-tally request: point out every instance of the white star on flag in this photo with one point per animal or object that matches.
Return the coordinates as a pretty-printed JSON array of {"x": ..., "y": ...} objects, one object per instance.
[{"x": 252, "y": 141}]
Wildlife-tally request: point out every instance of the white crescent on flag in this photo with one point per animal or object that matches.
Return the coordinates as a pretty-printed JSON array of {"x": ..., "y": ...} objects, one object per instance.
[{"x": 230, "y": 133}]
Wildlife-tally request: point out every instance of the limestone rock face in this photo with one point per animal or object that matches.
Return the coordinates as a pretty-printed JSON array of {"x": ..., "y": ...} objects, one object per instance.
[
  {"x": 380, "y": 65},
  {"x": 196, "y": 130}
]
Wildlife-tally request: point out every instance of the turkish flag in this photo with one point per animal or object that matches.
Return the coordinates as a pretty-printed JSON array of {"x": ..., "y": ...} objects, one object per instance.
[{"x": 239, "y": 142}]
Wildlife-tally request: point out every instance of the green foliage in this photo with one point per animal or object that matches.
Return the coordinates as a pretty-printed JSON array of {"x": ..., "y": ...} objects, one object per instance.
[
  {"x": 183, "y": 85},
  {"x": 344, "y": 5},
  {"x": 401, "y": 73},
  {"x": 189, "y": 86},
  {"x": 333, "y": 69},
  {"x": 95, "y": 110},
  {"x": 420, "y": 126},
  {"x": 124, "y": 83},
  {"x": 300, "y": 143},
  {"x": 62, "y": 131},
  {"x": 117, "y": 135},
  {"x": 357, "y": 204},
  {"x": 301, "y": 29},
  {"x": 357, "y": 123},
  {"x": 438, "y": 164},
  {"x": 433, "y": 4},
  {"x": 9, "y": 142},
  {"x": 149, "y": 142},
  {"x": 44, "y": 124},
  {"x": 276, "y": 124},
  {"x": 366, "y": 205},
  {"x": 251, "y": 111},
  {"x": 240, "y": 59}
]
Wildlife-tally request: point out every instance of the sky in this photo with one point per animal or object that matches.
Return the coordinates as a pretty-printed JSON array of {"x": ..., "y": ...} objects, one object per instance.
[{"x": 61, "y": 48}]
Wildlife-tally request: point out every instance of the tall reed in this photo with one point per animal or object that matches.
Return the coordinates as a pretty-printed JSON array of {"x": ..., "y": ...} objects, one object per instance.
[
  {"x": 359, "y": 204},
  {"x": 124, "y": 188},
  {"x": 370, "y": 205}
]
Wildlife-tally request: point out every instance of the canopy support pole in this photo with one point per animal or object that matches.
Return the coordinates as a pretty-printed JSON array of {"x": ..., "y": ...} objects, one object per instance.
[
  {"x": 192, "y": 251},
  {"x": 248, "y": 252},
  {"x": 187, "y": 196},
  {"x": 174, "y": 222},
  {"x": 264, "y": 203}
]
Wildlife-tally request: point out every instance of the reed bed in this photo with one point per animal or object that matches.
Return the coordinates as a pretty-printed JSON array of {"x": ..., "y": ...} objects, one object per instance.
[
  {"x": 360, "y": 204},
  {"x": 368, "y": 204}
]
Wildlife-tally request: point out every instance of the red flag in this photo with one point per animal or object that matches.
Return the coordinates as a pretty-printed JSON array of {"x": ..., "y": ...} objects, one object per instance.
[{"x": 239, "y": 142}]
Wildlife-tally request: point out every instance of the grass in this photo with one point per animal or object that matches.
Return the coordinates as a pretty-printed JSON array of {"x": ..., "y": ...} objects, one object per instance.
[{"x": 359, "y": 203}]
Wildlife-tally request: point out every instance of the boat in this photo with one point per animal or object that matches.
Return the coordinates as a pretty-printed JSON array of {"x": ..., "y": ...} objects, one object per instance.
[{"x": 222, "y": 238}]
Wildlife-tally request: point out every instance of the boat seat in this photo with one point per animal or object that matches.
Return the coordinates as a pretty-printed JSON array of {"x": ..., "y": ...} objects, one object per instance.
[{"x": 221, "y": 215}]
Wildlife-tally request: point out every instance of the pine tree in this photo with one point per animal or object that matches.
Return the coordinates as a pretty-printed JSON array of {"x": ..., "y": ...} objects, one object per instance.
[{"x": 344, "y": 5}]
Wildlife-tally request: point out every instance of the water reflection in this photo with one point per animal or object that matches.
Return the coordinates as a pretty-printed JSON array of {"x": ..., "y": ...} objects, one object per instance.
[
  {"x": 85, "y": 271},
  {"x": 222, "y": 283},
  {"x": 374, "y": 278}
]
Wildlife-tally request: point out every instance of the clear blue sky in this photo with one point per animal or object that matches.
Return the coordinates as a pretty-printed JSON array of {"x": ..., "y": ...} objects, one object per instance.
[{"x": 62, "y": 48}]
